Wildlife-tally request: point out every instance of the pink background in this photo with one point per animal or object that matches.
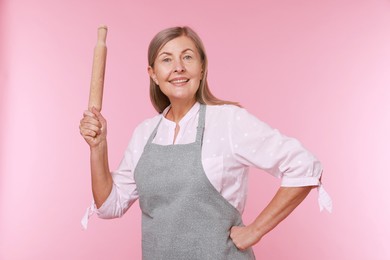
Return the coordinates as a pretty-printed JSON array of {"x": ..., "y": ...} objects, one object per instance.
[{"x": 316, "y": 70}]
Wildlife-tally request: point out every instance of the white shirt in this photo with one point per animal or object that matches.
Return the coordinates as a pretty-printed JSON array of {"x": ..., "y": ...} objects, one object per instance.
[{"x": 233, "y": 140}]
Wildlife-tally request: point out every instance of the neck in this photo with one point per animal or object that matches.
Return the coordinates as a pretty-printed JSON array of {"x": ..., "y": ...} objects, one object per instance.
[{"x": 178, "y": 110}]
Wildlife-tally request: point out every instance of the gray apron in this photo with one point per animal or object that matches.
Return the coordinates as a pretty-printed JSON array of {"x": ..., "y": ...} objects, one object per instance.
[{"x": 183, "y": 215}]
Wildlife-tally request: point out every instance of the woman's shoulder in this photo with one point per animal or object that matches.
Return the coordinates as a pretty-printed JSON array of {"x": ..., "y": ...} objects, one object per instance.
[
  {"x": 225, "y": 110},
  {"x": 150, "y": 122},
  {"x": 147, "y": 125},
  {"x": 232, "y": 115}
]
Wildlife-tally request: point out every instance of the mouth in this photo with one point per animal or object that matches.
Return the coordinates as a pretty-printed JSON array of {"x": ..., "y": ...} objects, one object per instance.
[{"x": 179, "y": 81}]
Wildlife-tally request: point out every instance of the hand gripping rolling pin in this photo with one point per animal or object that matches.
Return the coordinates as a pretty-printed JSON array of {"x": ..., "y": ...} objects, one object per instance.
[{"x": 98, "y": 68}]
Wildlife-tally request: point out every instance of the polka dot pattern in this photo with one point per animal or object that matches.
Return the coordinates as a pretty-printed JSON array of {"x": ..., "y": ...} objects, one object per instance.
[{"x": 233, "y": 141}]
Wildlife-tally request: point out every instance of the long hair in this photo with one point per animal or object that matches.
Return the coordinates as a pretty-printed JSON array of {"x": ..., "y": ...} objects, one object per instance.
[{"x": 204, "y": 96}]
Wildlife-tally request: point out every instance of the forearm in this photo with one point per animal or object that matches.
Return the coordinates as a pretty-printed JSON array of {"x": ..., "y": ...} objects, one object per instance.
[
  {"x": 100, "y": 174},
  {"x": 283, "y": 203}
]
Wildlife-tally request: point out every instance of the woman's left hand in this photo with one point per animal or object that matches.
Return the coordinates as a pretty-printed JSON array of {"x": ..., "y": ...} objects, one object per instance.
[{"x": 244, "y": 237}]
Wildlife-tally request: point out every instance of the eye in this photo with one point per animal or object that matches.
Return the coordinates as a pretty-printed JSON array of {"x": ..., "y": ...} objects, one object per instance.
[
  {"x": 187, "y": 57},
  {"x": 167, "y": 59}
]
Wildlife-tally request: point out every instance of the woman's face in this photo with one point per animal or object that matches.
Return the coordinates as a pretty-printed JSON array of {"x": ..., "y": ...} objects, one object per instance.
[{"x": 178, "y": 70}]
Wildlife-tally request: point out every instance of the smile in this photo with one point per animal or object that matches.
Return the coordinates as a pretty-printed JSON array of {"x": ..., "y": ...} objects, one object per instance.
[{"x": 178, "y": 81}]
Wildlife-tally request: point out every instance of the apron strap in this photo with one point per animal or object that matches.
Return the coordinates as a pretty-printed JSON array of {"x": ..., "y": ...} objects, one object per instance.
[
  {"x": 151, "y": 137},
  {"x": 201, "y": 124}
]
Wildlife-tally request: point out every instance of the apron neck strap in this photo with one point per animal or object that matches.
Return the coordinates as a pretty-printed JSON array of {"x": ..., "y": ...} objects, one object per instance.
[
  {"x": 201, "y": 124},
  {"x": 151, "y": 137}
]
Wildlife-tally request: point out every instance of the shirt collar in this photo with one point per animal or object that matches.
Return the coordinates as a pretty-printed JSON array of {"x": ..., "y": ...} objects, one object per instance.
[{"x": 192, "y": 112}]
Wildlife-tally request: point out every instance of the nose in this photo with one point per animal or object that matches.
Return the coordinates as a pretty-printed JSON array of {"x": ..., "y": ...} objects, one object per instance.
[{"x": 179, "y": 66}]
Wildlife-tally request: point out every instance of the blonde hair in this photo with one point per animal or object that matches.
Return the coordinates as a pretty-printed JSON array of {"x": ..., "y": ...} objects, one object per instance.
[{"x": 204, "y": 96}]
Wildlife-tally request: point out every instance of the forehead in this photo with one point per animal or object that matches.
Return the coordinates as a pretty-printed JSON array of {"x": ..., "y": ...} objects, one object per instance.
[{"x": 179, "y": 44}]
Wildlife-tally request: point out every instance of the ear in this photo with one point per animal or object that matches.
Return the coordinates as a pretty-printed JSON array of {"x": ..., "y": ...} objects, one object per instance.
[
  {"x": 151, "y": 72},
  {"x": 152, "y": 75}
]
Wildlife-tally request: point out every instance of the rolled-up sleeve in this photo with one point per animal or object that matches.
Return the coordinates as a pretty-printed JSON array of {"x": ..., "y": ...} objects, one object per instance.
[{"x": 254, "y": 143}]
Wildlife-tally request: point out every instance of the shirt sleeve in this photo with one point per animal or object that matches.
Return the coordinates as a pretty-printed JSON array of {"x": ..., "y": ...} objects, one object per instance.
[
  {"x": 254, "y": 143},
  {"x": 123, "y": 193}
]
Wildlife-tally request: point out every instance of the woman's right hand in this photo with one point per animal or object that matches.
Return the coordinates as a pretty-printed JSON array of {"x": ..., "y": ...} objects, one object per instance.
[{"x": 93, "y": 128}]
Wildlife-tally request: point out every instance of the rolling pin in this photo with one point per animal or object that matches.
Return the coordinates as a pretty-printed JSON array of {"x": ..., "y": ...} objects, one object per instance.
[{"x": 98, "y": 69}]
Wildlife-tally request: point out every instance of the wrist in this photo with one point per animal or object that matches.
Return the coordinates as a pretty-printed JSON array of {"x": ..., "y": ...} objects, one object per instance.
[
  {"x": 258, "y": 229},
  {"x": 99, "y": 147}
]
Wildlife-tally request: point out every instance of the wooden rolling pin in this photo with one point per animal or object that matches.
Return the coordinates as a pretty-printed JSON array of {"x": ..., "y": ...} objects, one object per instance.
[{"x": 98, "y": 68}]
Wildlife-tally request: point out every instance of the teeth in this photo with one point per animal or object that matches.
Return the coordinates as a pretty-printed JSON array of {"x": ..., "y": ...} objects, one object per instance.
[{"x": 179, "y": 81}]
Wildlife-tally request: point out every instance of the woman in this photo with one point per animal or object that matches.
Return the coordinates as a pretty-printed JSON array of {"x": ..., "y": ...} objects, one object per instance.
[{"x": 188, "y": 165}]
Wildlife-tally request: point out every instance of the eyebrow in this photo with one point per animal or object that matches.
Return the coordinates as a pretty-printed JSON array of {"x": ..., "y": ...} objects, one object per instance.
[{"x": 168, "y": 53}]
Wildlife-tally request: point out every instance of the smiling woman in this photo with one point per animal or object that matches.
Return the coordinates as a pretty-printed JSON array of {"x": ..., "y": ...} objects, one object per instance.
[
  {"x": 203, "y": 95},
  {"x": 188, "y": 165},
  {"x": 178, "y": 72}
]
